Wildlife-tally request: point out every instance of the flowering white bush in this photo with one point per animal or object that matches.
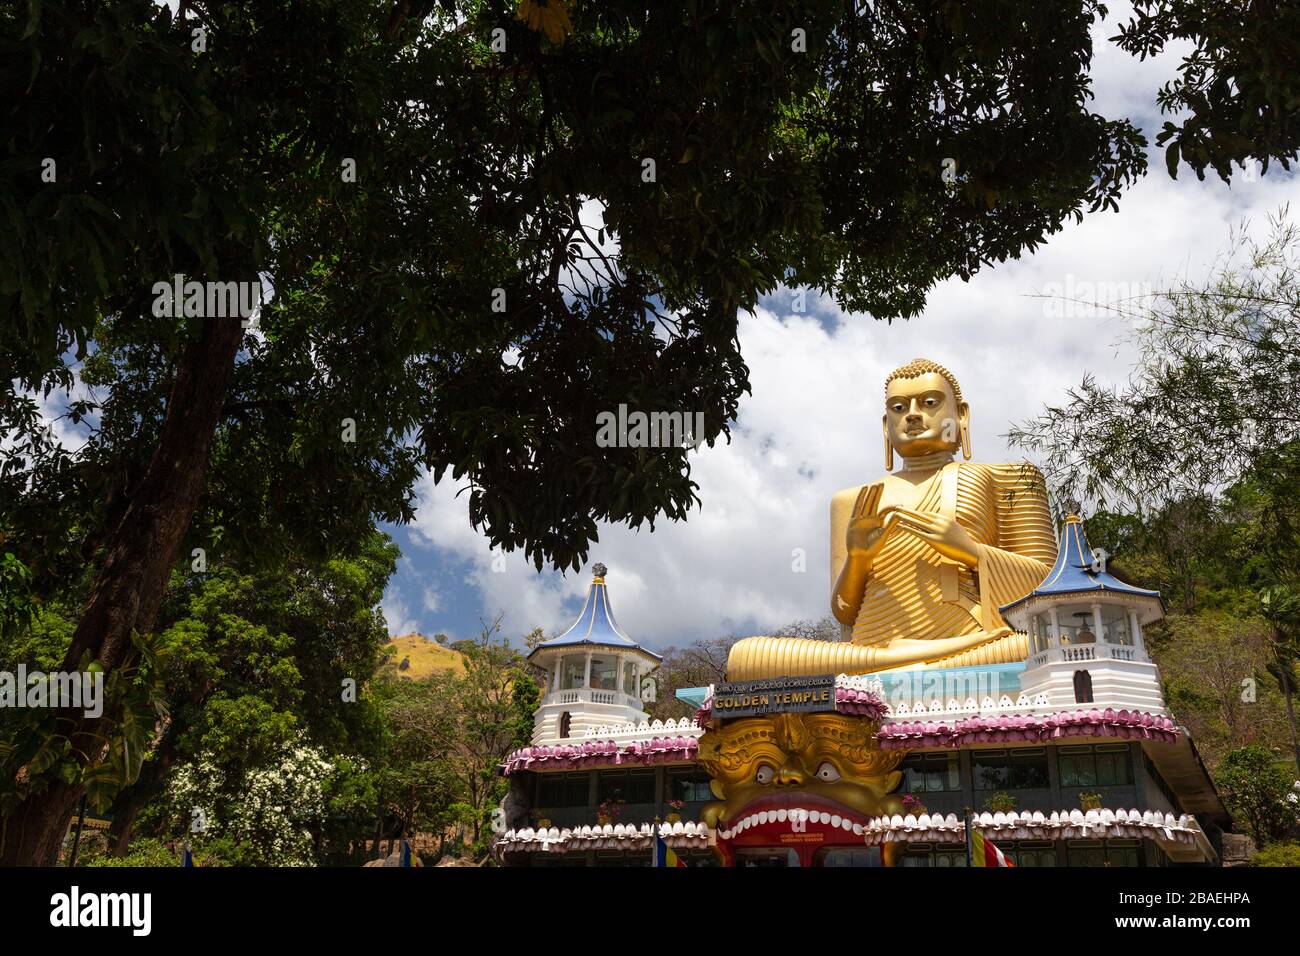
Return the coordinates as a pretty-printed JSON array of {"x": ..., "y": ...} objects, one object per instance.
[
  {"x": 193, "y": 794},
  {"x": 269, "y": 812}
]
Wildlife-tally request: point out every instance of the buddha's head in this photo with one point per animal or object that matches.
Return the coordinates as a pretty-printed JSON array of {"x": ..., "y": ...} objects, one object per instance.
[{"x": 924, "y": 412}]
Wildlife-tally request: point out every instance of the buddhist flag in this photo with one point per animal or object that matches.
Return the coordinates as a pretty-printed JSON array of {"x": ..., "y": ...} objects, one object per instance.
[
  {"x": 664, "y": 855},
  {"x": 984, "y": 853}
]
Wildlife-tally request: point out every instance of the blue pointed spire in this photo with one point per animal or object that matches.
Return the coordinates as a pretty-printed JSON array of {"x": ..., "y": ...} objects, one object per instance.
[
  {"x": 1076, "y": 571},
  {"x": 596, "y": 625}
]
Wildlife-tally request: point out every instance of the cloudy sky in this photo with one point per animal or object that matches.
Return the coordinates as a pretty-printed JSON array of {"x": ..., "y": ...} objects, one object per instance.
[{"x": 811, "y": 425}]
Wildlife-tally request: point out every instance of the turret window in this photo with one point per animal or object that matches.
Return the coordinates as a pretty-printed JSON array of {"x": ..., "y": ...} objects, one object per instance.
[
  {"x": 573, "y": 672},
  {"x": 604, "y": 673}
]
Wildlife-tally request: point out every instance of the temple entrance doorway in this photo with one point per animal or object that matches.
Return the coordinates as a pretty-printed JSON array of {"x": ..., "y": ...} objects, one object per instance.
[
  {"x": 767, "y": 857},
  {"x": 841, "y": 856}
]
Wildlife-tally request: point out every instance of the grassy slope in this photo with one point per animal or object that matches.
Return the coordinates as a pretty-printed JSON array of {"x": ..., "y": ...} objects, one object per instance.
[{"x": 426, "y": 656}]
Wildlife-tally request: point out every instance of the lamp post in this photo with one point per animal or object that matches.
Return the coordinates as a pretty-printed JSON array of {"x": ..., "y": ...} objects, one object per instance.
[
  {"x": 970, "y": 852},
  {"x": 76, "y": 840}
]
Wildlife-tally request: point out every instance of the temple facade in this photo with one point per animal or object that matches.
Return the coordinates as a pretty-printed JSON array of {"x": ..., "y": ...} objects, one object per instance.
[
  {"x": 992, "y": 688},
  {"x": 1068, "y": 758}
]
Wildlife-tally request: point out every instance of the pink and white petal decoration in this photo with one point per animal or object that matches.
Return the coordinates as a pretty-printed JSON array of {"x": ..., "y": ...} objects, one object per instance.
[
  {"x": 609, "y": 837},
  {"x": 1033, "y": 728},
  {"x": 603, "y": 753},
  {"x": 1058, "y": 825}
]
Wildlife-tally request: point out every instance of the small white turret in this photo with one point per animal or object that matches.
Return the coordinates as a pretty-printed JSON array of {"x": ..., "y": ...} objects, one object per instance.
[
  {"x": 595, "y": 674},
  {"x": 1085, "y": 633}
]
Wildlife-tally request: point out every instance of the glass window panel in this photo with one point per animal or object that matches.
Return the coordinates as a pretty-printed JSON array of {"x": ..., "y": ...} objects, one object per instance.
[
  {"x": 1114, "y": 767},
  {"x": 931, "y": 773},
  {"x": 1013, "y": 770},
  {"x": 558, "y": 790},
  {"x": 635, "y": 786},
  {"x": 1127, "y": 856},
  {"x": 692, "y": 788},
  {"x": 1078, "y": 769},
  {"x": 1086, "y": 855},
  {"x": 604, "y": 673},
  {"x": 574, "y": 667}
]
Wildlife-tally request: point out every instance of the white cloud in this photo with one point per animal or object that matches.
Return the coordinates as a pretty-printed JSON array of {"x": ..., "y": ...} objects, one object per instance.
[
  {"x": 432, "y": 600},
  {"x": 398, "y": 616}
]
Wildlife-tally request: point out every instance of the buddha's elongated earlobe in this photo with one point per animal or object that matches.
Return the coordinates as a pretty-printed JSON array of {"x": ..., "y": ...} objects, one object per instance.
[
  {"x": 889, "y": 447},
  {"x": 964, "y": 418}
]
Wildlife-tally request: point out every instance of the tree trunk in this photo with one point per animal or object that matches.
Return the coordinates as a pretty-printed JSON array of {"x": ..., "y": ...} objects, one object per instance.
[
  {"x": 1284, "y": 672},
  {"x": 129, "y": 587},
  {"x": 126, "y": 808}
]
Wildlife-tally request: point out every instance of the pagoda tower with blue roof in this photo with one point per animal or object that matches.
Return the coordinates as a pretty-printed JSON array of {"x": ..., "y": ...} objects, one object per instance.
[
  {"x": 1085, "y": 632},
  {"x": 595, "y": 673}
]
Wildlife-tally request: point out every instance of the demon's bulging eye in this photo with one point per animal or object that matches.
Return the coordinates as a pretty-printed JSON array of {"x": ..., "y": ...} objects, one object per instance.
[
  {"x": 827, "y": 772},
  {"x": 765, "y": 774}
]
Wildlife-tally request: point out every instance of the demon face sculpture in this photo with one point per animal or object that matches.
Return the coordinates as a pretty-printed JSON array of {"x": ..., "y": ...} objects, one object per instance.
[{"x": 826, "y": 762}]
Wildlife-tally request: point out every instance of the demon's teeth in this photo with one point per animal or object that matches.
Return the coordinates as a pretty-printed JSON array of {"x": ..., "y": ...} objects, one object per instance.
[{"x": 794, "y": 816}]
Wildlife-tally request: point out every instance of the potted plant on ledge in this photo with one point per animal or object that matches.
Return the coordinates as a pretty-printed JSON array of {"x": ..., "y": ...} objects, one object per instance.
[
  {"x": 608, "y": 811},
  {"x": 1000, "y": 802}
]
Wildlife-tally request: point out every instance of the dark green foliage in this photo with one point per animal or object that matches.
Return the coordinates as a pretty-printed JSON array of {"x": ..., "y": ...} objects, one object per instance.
[
  {"x": 772, "y": 166},
  {"x": 1236, "y": 91},
  {"x": 1278, "y": 854},
  {"x": 1259, "y": 793}
]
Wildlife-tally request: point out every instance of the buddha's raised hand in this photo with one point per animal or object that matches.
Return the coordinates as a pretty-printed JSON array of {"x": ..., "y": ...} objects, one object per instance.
[{"x": 867, "y": 530}]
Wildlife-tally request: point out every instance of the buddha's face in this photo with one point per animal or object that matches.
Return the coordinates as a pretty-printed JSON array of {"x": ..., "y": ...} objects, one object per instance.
[{"x": 922, "y": 416}]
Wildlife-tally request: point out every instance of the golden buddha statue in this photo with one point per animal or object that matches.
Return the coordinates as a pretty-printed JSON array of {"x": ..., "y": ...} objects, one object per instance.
[{"x": 923, "y": 558}]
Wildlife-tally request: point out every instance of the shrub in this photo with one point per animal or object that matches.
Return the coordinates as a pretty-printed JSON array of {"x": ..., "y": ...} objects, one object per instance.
[
  {"x": 1258, "y": 793},
  {"x": 1278, "y": 854}
]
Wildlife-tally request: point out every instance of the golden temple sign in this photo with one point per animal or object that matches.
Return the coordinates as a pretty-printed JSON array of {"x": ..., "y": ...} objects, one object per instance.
[{"x": 774, "y": 696}]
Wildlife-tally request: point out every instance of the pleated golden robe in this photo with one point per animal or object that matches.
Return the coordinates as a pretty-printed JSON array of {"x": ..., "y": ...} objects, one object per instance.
[{"x": 914, "y": 593}]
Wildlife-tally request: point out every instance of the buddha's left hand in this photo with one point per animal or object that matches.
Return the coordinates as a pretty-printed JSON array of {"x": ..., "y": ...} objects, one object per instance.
[{"x": 946, "y": 535}]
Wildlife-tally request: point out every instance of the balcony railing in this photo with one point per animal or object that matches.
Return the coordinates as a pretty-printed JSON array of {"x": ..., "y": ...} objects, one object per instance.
[
  {"x": 1075, "y": 653},
  {"x": 590, "y": 695}
]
